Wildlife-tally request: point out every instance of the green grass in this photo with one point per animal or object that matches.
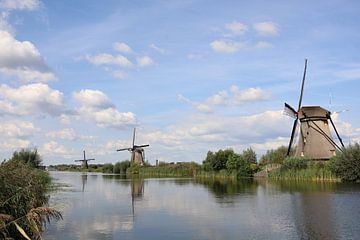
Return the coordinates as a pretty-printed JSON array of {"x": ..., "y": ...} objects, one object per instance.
[{"x": 310, "y": 173}]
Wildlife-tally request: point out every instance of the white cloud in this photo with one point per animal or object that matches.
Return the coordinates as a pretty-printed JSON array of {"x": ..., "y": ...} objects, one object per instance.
[
  {"x": 223, "y": 98},
  {"x": 23, "y": 60},
  {"x": 53, "y": 148},
  {"x": 13, "y": 144},
  {"x": 65, "y": 119},
  {"x": 20, "y": 4},
  {"x": 95, "y": 105},
  {"x": 158, "y": 49},
  {"x": 119, "y": 75},
  {"x": 249, "y": 95},
  {"x": 263, "y": 44},
  {"x": 32, "y": 99},
  {"x": 108, "y": 59},
  {"x": 66, "y": 134},
  {"x": 17, "y": 129},
  {"x": 4, "y": 24},
  {"x": 266, "y": 28},
  {"x": 93, "y": 99},
  {"x": 226, "y": 46},
  {"x": 122, "y": 47},
  {"x": 236, "y": 28},
  {"x": 144, "y": 61},
  {"x": 194, "y": 56}
]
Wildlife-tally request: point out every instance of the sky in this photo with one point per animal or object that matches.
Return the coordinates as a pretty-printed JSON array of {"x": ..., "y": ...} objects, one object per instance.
[{"x": 190, "y": 75}]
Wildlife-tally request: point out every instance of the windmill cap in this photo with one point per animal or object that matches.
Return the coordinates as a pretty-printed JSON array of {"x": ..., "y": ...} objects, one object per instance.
[{"x": 313, "y": 111}]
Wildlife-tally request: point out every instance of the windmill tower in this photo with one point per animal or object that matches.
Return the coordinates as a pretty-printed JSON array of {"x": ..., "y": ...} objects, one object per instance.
[
  {"x": 137, "y": 151},
  {"x": 315, "y": 140},
  {"x": 84, "y": 162}
]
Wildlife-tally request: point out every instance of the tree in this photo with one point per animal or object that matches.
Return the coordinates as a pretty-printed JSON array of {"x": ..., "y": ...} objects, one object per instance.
[
  {"x": 217, "y": 161},
  {"x": 274, "y": 156},
  {"x": 249, "y": 155},
  {"x": 121, "y": 167}
]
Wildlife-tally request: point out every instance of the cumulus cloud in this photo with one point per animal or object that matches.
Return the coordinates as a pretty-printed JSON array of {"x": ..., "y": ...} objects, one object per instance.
[
  {"x": 119, "y": 75},
  {"x": 236, "y": 28},
  {"x": 23, "y": 60},
  {"x": 17, "y": 129},
  {"x": 122, "y": 47},
  {"x": 20, "y": 4},
  {"x": 249, "y": 95},
  {"x": 93, "y": 99},
  {"x": 144, "y": 61},
  {"x": 95, "y": 105},
  {"x": 108, "y": 59},
  {"x": 224, "y": 98},
  {"x": 266, "y": 28},
  {"x": 66, "y": 134},
  {"x": 263, "y": 44},
  {"x": 158, "y": 49},
  {"x": 53, "y": 148},
  {"x": 14, "y": 144},
  {"x": 32, "y": 99},
  {"x": 226, "y": 46}
]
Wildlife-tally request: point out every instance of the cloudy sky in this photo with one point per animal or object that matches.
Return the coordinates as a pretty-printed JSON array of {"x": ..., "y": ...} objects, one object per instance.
[{"x": 192, "y": 76}]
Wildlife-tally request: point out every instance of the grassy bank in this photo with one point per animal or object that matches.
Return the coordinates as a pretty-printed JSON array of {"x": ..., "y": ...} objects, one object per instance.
[{"x": 310, "y": 173}]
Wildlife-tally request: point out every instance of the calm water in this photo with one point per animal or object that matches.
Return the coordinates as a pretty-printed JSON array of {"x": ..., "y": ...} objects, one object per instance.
[{"x": 97, "y": 206}]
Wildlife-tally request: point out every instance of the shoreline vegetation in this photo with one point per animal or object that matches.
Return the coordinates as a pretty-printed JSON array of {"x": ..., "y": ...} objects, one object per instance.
[
  {"x": 227, "y": 164},
  {"x": 24, "y": 185}
]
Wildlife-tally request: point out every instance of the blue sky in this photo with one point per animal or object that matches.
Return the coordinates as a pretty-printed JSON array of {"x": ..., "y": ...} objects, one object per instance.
[{"x": 192, "y": 76}]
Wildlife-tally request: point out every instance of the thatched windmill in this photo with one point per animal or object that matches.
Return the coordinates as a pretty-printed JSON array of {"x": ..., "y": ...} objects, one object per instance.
[
  {"x": 84, "y": 162},
  {"x": 137, "y": 151},
  {"x": 315, "y": 140}
]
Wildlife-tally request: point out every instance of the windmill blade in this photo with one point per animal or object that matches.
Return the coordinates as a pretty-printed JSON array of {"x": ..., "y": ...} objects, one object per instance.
[
  {"x": 91, "y": 159},
  {"x": 133, "y": 143},
  {"x": 292, "y": 136},
  {"x": 84, "y": 155},
  {"x": 302, "y": 86},
  {"x": 141, "y": 146},
  {"x": 80, "y": 160},
  {"x": 289, "y": 111},
  {"x": 124, "y": 149}
]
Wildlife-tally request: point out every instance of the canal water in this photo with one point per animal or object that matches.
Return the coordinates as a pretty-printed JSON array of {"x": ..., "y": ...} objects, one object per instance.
[{"x": 100, "y": 206}]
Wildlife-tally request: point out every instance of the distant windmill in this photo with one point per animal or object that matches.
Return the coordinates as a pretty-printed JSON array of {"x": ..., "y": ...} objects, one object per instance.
[
  {"x": 84, "y": 162},
  {"x": 137, "y": 151},
  {"x": 315, "y": 141}
]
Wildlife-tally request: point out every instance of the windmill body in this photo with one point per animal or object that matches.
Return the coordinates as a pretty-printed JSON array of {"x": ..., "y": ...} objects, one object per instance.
[
  {"x": 137, "y": 151},
  {"x": 315, "y": 140},
  {"x": 84, "y": 162}
]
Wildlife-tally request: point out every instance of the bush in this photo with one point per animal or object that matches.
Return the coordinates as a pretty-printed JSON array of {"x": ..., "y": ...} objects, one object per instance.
[
  {"x": 274, "y": 156},
  {"x": 250, "y": 155},
  {"x": 108, "y": 168},
  {"x": 22, "y": 197},
  {"x": 121, "y": 167},
  {"x": 217, "y": 161},
  {"x": 27, "y": 156},
  {"x": 346, "y": 164},
  {"x": 295, "y": 163}
]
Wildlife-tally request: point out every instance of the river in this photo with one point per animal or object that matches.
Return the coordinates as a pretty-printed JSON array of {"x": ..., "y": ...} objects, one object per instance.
[{"x": 101, "y": 206}]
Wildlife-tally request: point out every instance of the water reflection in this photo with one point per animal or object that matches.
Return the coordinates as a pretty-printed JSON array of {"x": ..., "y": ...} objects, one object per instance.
[{"x": 113, "y": 207}]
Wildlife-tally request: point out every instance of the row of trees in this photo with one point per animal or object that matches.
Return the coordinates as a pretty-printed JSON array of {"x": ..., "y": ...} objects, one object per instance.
[{"x": 244, "y": 164}]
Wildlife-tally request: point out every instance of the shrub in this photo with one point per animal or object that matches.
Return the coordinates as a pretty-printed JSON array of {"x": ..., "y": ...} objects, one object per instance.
[
  {"x": 274, "y": 156},
  {"x": 249, "y": 155},
  {"x": 346, "y": 164},
  {"x": 108, "y": 168},
  {"x": 217, "y": 161},
  {"x": 121, "y": 167},
  {"x": 295, "y": 163},
  {"x": 30, "y": 157}
]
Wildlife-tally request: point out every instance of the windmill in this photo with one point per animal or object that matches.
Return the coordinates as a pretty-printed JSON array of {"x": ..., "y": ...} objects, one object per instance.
[
  {"x": 137, "y": 151},
  {"x": 84, "y": 162},
  {"x": 315, "y": 141}
]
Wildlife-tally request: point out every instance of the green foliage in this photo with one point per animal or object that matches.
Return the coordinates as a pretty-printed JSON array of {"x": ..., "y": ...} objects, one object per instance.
[
  {"x": 217, "y": 161},
  {"x": 346, "y": 164},
  {"x": 183, "y": 169},
  {"x": 22, "y": 197},
  {"x": 121, "y": 167},
  {"x": 108, "y": 168},
  {"x": 30, "y": 157},
  {"x": 295, "y": 163},
  {"x": 249, "y": 155},
  {"x": 274, "y": 156}
]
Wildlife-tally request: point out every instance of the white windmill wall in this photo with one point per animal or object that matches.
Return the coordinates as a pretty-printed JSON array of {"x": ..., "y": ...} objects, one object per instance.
[{"x": 312, "y": 143}]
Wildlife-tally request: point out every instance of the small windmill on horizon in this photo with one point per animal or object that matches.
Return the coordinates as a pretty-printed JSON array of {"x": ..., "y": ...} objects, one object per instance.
[
  {"x": 84, "y": 162},
  {"x": 315, "y": 140},
  {"x": 137, "y": 151}
]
